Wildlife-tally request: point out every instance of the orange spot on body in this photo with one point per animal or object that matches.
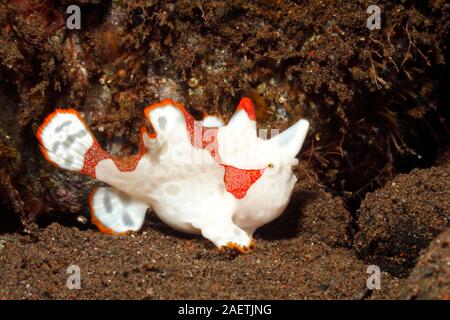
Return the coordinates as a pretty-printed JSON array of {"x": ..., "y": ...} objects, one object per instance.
[{"x": 238, "y": 181}]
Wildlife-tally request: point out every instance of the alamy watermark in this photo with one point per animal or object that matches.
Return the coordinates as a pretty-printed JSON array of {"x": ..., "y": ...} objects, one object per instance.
[
  {"x": 74, "y": 280},
  {"x": 374, "y": 280},
  {"x": 374, "y": 20},
  {"x": 74, "y": 20}
]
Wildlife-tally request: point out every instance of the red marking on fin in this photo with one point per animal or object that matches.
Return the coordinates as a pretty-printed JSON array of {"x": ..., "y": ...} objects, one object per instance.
[
  {"x": 93, "y": 156},
  {"x": 127, "y": 164},
  {"x": 238, "y": 181},
  {"x": 96, "y": 153},
  {"x": 247, "y": 105}
]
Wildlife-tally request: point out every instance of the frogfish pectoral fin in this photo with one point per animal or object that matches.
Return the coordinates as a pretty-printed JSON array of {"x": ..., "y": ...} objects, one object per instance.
[{"x": 115, "y": 212}]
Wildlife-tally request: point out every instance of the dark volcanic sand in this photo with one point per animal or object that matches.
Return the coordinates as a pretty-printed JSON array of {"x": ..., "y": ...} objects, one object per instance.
[
  {"x": 156, "y": 265},
  {"x": 160, "y": 264}
]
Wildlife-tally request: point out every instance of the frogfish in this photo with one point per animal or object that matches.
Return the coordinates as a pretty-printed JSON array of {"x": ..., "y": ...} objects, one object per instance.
[{"x": 200, "y": 177}]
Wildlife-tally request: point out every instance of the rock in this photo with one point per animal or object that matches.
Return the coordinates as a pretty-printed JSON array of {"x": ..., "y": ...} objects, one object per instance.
[
  {"x": 430, "y": 278},
  {"x": 314, "y": 213},
  {"x": 389, "y": 288},
  {"x": 398, "y": 220}
]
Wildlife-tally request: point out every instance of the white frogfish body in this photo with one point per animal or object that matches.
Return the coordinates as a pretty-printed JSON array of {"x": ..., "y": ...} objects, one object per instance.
[{"x": 220, "y": 181}]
